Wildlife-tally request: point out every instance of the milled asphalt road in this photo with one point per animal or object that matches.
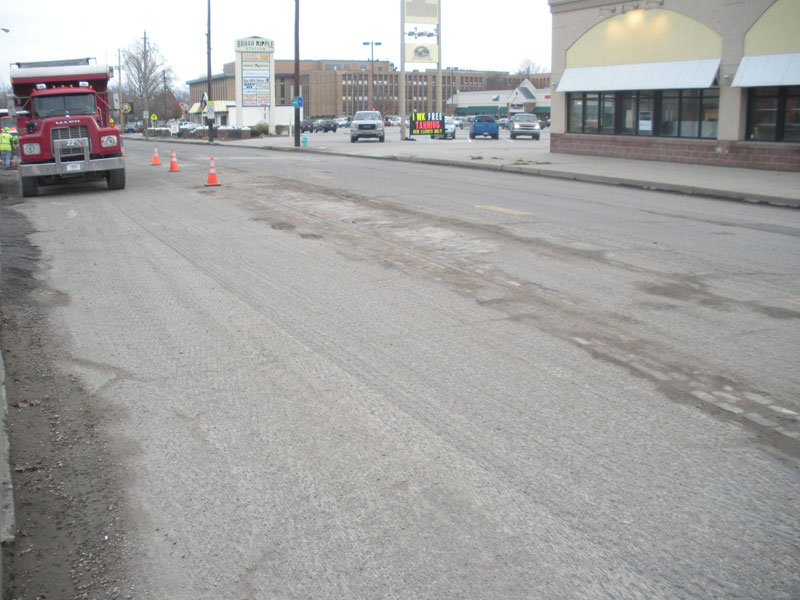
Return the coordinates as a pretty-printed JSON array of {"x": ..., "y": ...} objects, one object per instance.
[
  {"x": 522, "y": 156},
  {"x": 532, "y": 157}
]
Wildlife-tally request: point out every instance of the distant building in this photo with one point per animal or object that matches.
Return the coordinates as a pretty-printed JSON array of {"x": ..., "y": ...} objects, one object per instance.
[
  {"x": 714, "y": 82},
  {"x": 524, "y": 98},
  {"x": 341, "y": 87}
]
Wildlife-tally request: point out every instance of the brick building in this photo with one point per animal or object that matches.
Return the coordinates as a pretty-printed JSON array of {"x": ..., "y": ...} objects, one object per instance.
[
  {"x": 333, "y": 88},
  {"x": 714, "y": 82}
]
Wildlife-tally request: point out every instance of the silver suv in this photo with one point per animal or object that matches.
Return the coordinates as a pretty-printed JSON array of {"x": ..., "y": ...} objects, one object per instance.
[
  {"x": 367, "y": 124},
  {"x": 524, "y": 124}
]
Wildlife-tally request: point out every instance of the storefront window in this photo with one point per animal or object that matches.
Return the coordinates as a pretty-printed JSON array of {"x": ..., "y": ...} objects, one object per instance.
[
  {"x": 791, "y": 128},
  {"x": 628, "y": 113},
  {"x": 690, "y": 113},
  {"x": 575, "y": 113},
  {"x": 709, "y": 124},
  {"x": 763, "y": 113},
  {"x": 645, "y": 123},
  {"x": 670, "y": 113},
  {"x": 592, "y": 113},
  {"x": 607, "y": 113}
]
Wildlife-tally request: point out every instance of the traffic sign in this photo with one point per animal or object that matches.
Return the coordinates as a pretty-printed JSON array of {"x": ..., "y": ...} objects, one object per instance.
[
  {"x": 127, "y": 108},
  {"x": 297, "y": 101},
  {"x": 154, "y": 117}
]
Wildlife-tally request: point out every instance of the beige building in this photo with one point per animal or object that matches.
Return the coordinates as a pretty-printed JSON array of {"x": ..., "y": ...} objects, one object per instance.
[
  {"x": 332, "y": 88},
  {"x": 711, "y": 81}
]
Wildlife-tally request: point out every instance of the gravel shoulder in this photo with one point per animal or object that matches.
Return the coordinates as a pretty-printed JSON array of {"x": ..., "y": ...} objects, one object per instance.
[{"x": 69, "y": 518}]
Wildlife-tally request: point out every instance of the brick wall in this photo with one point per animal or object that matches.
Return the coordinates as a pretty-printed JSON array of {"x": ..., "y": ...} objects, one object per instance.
[{"x": 752, "y": 155}]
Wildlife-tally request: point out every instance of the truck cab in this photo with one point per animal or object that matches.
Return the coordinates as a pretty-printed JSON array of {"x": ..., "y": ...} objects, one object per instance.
[{"x": 63, "y": 124}]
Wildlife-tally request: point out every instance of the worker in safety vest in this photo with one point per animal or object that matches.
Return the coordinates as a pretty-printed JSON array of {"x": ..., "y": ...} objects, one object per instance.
[{"x": 7, "y": 143}]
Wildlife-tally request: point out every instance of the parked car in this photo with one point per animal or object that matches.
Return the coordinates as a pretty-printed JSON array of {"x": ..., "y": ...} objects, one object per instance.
[
  {"x": 367, "y": 124},
  {"x": 306, "y": 125},
  {"x": 342, "y": 121},
  {"x": 484, "y": 125},
  {"x": 503, "y": 123},
  {"x": 524, "y": 124},
  {"x": 325, "y": 125},
  {"x": 395, "y": 121},
  {"x": 449, "y": 130}
]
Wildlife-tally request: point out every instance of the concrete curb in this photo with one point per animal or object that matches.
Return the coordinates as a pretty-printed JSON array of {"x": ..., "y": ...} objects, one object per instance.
[{"x": 659, "y": 186}]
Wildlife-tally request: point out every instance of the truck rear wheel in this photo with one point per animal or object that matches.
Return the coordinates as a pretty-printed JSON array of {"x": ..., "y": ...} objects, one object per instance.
[
  {"x": 30, "y": 187},
  {"x": 116, "y": 179}
]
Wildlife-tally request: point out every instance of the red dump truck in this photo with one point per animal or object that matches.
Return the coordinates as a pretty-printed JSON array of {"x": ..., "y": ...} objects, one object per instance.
[{"x": 63, "y": 123}]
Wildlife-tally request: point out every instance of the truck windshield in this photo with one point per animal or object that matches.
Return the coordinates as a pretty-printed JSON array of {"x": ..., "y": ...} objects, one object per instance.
[{"x": 63, "y": 106}]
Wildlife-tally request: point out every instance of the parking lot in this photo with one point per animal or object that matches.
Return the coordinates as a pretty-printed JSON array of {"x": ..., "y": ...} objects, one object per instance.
[{"x": 461, "y": 148}]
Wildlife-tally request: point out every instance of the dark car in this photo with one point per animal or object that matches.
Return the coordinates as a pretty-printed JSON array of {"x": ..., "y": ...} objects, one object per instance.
[
  {"x": 306, "y": 125},
  {"x": 325, "y": 125}
]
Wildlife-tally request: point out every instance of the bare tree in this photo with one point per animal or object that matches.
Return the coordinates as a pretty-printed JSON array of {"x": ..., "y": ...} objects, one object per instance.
[
  {"x": 528, "y": 67},
  {"x": 496, "y": 81},
  {"x": 147, "y": 76},
  {"x": 5, "y": 94}
]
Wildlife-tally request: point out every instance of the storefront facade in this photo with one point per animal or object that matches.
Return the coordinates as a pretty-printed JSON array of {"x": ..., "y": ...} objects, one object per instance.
[{"x": 714, "y": 82}]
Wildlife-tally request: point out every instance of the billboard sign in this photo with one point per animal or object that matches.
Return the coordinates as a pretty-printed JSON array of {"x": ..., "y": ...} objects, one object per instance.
[
  {"x": 423, "y": 123},
  {"x": 421, "y": 11}
]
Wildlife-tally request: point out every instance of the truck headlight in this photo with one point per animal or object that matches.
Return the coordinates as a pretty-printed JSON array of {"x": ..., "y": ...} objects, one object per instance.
[
  {"x": 108, "y": 141},
  {"x": 31, "y": 148}
]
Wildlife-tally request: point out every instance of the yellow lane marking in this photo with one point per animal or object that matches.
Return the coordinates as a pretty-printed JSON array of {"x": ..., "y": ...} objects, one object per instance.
[{"x": 509, "y": 211}]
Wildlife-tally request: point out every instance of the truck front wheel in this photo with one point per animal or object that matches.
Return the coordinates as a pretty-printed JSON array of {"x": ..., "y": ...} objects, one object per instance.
[
  {"x": 116, "y": 179},
  {"x": 30, "y": 187}
]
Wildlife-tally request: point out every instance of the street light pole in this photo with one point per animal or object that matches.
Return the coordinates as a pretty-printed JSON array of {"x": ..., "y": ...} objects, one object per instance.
[{"x": 372, "y": 73}]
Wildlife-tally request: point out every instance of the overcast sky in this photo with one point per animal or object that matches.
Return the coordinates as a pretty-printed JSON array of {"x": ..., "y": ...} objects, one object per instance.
[{"x": 497, "y": 35}]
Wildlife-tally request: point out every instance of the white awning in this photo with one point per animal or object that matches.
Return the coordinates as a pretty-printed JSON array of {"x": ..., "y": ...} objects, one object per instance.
[
  {"x": 768, "y": 70},
  {"x": 675, "y": 75}
]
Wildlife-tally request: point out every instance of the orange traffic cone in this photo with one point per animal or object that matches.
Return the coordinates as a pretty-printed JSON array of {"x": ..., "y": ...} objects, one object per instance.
[
  {"x": 173, "y": 162},
  {"x": 156, "y": 161},
  {"x": 212, "y": 174}
]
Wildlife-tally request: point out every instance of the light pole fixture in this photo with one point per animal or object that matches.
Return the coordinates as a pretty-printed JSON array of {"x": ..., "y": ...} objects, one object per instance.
[
  {"x": 372, "y": 72},
  {"x": 4, "y": 29}
]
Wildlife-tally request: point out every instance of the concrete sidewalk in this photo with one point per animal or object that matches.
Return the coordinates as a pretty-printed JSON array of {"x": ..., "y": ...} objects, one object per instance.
[{"x": 777, "y": 188}]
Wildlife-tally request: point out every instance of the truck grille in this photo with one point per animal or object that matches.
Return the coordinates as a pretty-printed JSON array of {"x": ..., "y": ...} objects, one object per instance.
[{"x": 68, "y": 133}]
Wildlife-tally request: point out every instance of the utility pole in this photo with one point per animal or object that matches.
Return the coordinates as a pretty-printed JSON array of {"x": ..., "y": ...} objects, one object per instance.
[
  {"x": 210, "y": 97},
  {"x": 119, "y": 72},
  {"x": 439, "y": 99},
  {"x": 165, "y": 96},
  {"x": 402, "y": 83},
  {"x": 297, "y": 91},
  {"x": 145, "y": 85}
]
